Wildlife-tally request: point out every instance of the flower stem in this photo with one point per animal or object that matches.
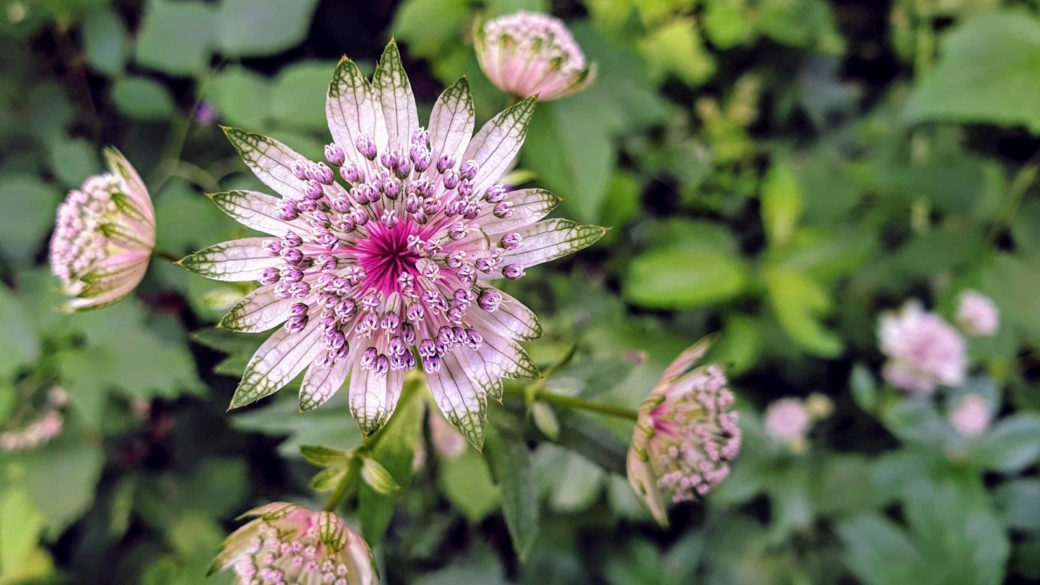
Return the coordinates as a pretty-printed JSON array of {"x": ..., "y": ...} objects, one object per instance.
[
  {"x": 166, "y": 254},
  {"x": 581, "y": 404},
  {"x": 344, "y": 484}
]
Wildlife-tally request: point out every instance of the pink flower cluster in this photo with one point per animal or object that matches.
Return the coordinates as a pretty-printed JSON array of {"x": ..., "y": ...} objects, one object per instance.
[
  {"x": 977, "y": 314},
  {"x": 923, "y": 350}
]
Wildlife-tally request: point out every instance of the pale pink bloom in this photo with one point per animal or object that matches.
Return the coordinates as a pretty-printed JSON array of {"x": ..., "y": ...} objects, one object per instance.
[
  {"x": 36, "y": 434},
  {"x": 923, "y": 350},
  {"x": 447, "y": 442},
  {"x": 526, "y": 54},
  {"x": 970, "y": 418},
  {"x": 787, "y": 420},
  {"x": 104, "y": 236},
  {"x": 57, "y": 396},
  {"x": 685, "y": 435},
  {"x": 290, "y": 545},
  {"x": 977, "y": 315},
  {"x": 390, "y": 269}
]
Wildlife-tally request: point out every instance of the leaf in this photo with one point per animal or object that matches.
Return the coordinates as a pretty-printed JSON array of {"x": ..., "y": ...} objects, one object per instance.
[
  {"x": 176, "y": 37},
  {"x": 142, "y": 98},
  {"x": 798, "y": 302},
  {"x": 510, "y": 462},
  {"x": 377, "y": 477},
  {"x": 29, "y": 216},
  {"x": 328, "y": 425},
  {"x": 20, "y": 527},
  {"x": 988, "y": 66},
  {"x": 105, "y": 41},
  {"x": 395, "y": 450},
  {"x": 324, "y": 456},
  {"x": 677, "y": 48},
  {"x": 1020, "y": 502},
  {"x": 429, "y": 26},
  {"x": 684, "y": 276},
  {"x": 879, "y": 553},
  {"x": 577, "y": 485},
  {"x": 781, "y": 203},
  {"x": 1011, "y": 445},
  {"x": 241, "y": 97},
  {"x": 20, "y": 344},
  {"x": 298, "y": 95},
  {"x": 247, "y": 28},
  {"x": 467, "y": 483},
  {"x": 584, "y": 435}
]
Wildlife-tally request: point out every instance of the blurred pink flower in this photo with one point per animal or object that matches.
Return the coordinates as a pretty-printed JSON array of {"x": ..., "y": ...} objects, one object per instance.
[
  {"x": 970, "y": 418},
  {"x": 35, "y": 434},
  {"x": 527, "y": 53},
  {"x": 447, "y": 442},
  {"x": 288, "y": 545},
  {"x": 104, "y": 236},
  {"x": 685, "y": 435},
  {"x": 391, "y": 272},
  {"x": 923, "y": 350},
  {"x": 787, "y": 420},
  {"x": 977, "y": 315}
]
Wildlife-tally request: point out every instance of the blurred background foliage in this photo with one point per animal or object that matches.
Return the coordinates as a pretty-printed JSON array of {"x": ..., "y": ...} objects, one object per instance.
[{"x": 778, "y": 171}]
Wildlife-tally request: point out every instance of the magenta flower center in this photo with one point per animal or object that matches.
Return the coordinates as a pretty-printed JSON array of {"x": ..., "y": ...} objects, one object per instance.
[{"x": 385, "y": 256}]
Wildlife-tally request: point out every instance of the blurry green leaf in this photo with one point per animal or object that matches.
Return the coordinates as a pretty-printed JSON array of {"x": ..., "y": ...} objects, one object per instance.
[
  {"x": 987, "y": 62},
  {"x": 73, "y": 160},
  {"x": 176, "y": 37},
  {"x": 61, "y": 478},
  {"x": 19, "y": 344},
  {"x": 29, "y": 206},
  {"x": 680, "y": 277},
  {"x": 842, "y": 485},
  {"x": 377, "y": 477},
  {"x": 1011, "y": 445},
  {"x": 1020, "y": 502},
  {"x": 620, "y": 203},
  {"x": 781, "y": 203},
  {"x": 545, "y": 419},
  {"x": 583, "y": 434},
  {"x": 676, "y": 47},
  {"x": 395, "y": 451},
  {"x": 105, "y": 42},
  {"x": 510, "y": 462},
  {"x": 577, "y": 485},
  {"x": 569, "y": 148},
  {"x": 298, "y": 95},
  {"x": 427, "y": 26},
  {"x": 879, "y": 553},
  {"x": 739, "y": 345},
  {"x": 186, "y": 220},
  {"x": 142, "y": 98},
  {"x": 467, "y": 483},
  {"x": 328, "y": 479},
  {"x": 798, "y": 302},
  {"x": 20, "y": 527},
  {"x": 324, "y": 456},
  {"x": 790, "y": 502},
  {"x": 247, "y": 28},
  {"x": 864, "y": 388},
  {"x": 726, "y": 23},
  {"x": 801, "y": 23},
  {"x": 328, "y": 425},
  {"x": 502, "y": 7},
  {"x": 241, "y": 97}
]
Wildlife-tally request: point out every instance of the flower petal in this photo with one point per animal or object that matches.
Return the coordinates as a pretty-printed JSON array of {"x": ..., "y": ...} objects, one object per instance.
[
  {"x": 512, "y": 319},
  {"x": 485, "y": 373},
  {"x": 644, "y": 482},
  {"x": 451, "y": 122},
  {"x": 498, "y": 142},
  {"x": 280, "y": 359},
  {"x": 353, "y": 109},
  {"x": 549, "y": 240},
  {"x": 529, "y": 205},
  {"x": 391, "y": 85},
  {"x": 685, "y": 360},
  {"x": 271, "y": 161},
  {"x": 259, "y": 311},
  {"x": 373, "y": 397},
  {"x": 321, "y": 382},
  {"x": 136, "y": 190},
  {"x": 110, "y": 288},
  {"x": 463, "y": 403},
  {"x": 506, "y": 354},
  {"x": 256, "y": 210},
  {"x": 235, "y": 261}
]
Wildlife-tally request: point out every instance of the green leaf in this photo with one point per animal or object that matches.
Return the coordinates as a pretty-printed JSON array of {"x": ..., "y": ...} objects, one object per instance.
[
  {"x": 29, "y": 205},
  {"x": 677, "y": 48},
  {"x": 467, "y": 483},
  {"x": 798, "y": 302},
  {"x": 429, "y": 26},
  {"x": 324, "y": 456},
  {"x": 684, "y": 276},
  {"x": 20, "y": 527},
  {"x": 395, "y": 450},
  {"x": 377, "y": 477},
  {"x": 1020, "y": 502},
  {"x": 781, "y": 203},
  {"x": 61, "y": 479},
  {"x": 879, "y": 553},
  {"x": 176, "y": 37},
  {"x": 247, "y": 28},
  {"x": 1011, "y": 445},
  {"x": 298, "y": 95},
  {"x": 241, "y": 97},
  {"x": 988, "y": 65},
  {"x": 510, "y": 461},
  {"x": 864, "y": 388},
  {"x": 20, "y": 344},
  {"x": 105, "y": 41},
  {"x": 576, "y": 484},
  {"x": 584, "y": 435},
  {"x": 142, "y": 98},
  {"x": 545, "y": 419}
]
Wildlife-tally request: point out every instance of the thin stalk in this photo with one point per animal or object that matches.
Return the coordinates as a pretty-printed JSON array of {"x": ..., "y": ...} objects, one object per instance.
[
  {"x": 166, "y": 255},
  {"x": 344, "y": 484},
  {"x": 579, "y": 403}
]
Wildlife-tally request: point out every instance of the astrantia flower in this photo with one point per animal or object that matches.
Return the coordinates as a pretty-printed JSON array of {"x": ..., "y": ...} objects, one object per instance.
[
  {"x": 787, "y": 421},
  {"x": 923, "y": 350},
  {"x": 977, "y": 314},
  {"x": 390, "y": 270},
  {"x": 104, "y": 236},
  {"x": 290, "y": 545},
  {"x": 685, "y": 435},
  {"x": 971, "y": 417},
  {"x": 527, "y": 53}
]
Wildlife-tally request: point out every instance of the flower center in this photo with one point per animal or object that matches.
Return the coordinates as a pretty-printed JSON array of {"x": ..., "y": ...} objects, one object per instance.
[{"x": 385, "y": 255}]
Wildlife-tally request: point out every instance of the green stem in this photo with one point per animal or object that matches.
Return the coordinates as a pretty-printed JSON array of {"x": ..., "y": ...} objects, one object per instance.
[
  {"x": 166, "y": 255},
  {"x": 581, "y": 404},
  {"x": 344, "y": 484}
]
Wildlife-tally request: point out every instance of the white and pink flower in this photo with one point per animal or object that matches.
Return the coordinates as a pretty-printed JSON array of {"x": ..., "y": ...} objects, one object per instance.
[
  {"x": 977, "y": 314},
  {"x": 104, "y": 236},
  {"x": 970, "y": 417},
  {"x": 685, "y": 435},
  {"x": 923, "y": 350},
  {"x": 527, "y": 53},
  {"x": 288, "y": 544},
  {"x": 787, "y": 421},
  {"x": 390, "y": 269}
]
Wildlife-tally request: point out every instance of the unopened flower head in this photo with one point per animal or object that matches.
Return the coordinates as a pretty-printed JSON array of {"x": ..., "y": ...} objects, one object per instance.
[
  {"x": 977, "y": 314},
  {"x": 288, "y": 544},
  {"x": 971, "y": 416},
  {"x": 526, "y": 54},
  {"x": 389, "y": 270},
  {"x": 923, "y": 350},
  {"x": 787, "y": 421},
  {"x": 104, "y": 236},
  {"x": 685, "y": 435}
]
